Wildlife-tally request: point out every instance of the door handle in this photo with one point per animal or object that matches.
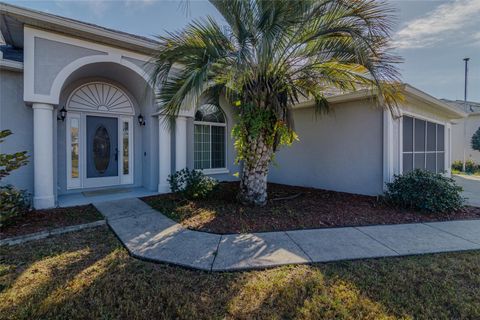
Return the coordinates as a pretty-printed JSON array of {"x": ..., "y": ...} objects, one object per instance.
[{"x": 116, "y": 154}]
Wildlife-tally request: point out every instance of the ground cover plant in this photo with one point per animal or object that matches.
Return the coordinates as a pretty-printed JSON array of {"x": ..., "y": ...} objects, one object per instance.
[
  {"x": 89, "y": 275},
  {"x": 289, "y": 208}
]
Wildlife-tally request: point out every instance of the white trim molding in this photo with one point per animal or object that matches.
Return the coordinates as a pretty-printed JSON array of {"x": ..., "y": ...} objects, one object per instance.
[{"x": 11, "y": 65}]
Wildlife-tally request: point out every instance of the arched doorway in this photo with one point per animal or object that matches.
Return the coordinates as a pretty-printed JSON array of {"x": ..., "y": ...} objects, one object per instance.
[{"x": 99, "y": 136}]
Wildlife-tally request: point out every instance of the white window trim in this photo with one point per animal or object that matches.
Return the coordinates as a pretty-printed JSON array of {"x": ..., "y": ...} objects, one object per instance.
[
  {"x": 446, "y": 134},
  {"x": 213, "y": 170},
  {"x": 73, "y": 183},
  {"x": 126, "y": 178}
]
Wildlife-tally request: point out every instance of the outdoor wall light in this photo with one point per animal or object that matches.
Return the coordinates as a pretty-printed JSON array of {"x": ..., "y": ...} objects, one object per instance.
[
  {"x": 141, "y": 121},
  {"x": 63, "y": 114}
]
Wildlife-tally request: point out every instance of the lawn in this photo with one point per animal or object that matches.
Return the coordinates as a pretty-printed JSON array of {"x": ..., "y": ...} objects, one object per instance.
[
  {"x": 42, "y": 220},
  {"x": 290, "y": 208},
  {"x": 88, "y": 274}
]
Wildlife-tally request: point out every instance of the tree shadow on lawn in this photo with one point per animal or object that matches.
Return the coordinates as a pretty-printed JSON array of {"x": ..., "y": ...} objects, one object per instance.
[{"x": 108, "y": 283}]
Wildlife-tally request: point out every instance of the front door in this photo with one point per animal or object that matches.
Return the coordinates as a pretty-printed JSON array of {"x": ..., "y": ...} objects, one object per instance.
[{"x": 102, "y": 149}]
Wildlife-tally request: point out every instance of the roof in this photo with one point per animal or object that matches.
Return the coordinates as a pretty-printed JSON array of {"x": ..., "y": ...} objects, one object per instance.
[
  {"x": 471, "y": 107},
  {"x": 408, "y": 90},
  {"x": 13, "y": 18}
]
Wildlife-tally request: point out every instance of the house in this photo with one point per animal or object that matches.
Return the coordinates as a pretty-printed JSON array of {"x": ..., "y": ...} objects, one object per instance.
[
  {"x": 78, "y": 99},
  {"x": 464, "y": 130}
]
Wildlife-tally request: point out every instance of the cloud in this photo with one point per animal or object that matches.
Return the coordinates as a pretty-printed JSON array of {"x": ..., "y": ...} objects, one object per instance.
[
  {"x": 138, "y": 3},
  {"x": 442, "y": 23},
  {"x": 97, "y": 7}
]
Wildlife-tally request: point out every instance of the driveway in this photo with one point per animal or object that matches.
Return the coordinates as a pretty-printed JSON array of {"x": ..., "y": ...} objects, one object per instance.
[{"x": 471, "y": 188}]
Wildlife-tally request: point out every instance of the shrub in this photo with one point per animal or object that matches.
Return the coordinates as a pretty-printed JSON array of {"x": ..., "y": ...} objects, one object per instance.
[
  {"x": 13, "y": 202},
  {"x": 470, "y": 166},
  {"x": 424, "y": 191},
  {"x": 12, "y": 161},
  {"x": 457, "y": 165},
  {"x": 191, "y": 184}
]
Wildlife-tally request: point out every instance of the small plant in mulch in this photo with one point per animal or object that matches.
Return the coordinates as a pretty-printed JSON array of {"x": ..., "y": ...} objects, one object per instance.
[
  {"x": 425, "y": 191},
  {"x": 13, "y": 202},
  {"x": 192, "y": 184}
]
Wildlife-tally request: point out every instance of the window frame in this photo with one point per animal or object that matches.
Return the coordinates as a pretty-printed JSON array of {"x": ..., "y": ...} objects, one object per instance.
[
  {"x": 413, "y": 152},
  {"x": 211, "y": 170}
]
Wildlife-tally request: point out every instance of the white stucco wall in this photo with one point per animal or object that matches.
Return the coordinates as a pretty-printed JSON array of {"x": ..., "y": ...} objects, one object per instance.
[
  {"x": 473, "y": 124},
  {"x": 341, "y": 151},
  {"x": 17, "y": 117}
]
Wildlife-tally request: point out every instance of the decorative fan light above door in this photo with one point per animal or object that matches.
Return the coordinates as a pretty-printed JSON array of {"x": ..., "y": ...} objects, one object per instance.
[{"x": 100, "y": 97}]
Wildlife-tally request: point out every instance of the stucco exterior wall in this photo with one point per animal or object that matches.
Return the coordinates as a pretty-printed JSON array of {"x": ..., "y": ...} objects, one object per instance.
[
  {"x": 458, "y": 140},
  {"x": 16, "y": 116},
  {"x": 51, "y": 57},
  {"x": 341, "y": 151}
]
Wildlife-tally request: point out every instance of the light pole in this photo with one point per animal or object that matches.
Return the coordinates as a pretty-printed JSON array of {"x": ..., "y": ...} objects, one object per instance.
[{"x": 465, "y": 109}]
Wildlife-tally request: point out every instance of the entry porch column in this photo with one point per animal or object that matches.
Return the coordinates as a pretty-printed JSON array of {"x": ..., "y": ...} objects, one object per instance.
[
  {"x": 44, "y": 196},
  {"x": 180, "y": 142},
  {"x": 164, "y": 157}
]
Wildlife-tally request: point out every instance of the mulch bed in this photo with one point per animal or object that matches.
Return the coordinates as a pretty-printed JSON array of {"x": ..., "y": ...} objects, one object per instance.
[
  {"x": 42, "y": 220},
  {"x": 312, "y": 208}
]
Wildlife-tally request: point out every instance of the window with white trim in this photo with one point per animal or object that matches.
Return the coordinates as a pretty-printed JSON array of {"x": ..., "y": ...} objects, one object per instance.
[
  {"x": 423, "y": 145},
  {"x": 209, "y": 138}
]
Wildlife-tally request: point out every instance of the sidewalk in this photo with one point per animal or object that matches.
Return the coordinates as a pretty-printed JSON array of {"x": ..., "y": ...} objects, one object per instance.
[{"x": 149, "y": 235}]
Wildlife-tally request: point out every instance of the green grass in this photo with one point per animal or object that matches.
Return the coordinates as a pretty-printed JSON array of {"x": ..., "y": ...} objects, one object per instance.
[{"x": 88, "y": 274}]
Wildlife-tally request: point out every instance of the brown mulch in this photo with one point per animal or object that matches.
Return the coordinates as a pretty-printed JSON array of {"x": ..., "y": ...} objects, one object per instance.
[
  {"x": 43, "y": 220},
  {"x": 303, "y": 208}
]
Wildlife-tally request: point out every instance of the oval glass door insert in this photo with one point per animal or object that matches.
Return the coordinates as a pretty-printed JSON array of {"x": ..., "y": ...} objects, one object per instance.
[{"x": 101, "y": 149}]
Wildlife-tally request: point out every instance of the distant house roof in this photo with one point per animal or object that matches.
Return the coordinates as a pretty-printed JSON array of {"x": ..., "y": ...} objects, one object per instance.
[
  {"x": 13, "y": 18},
  {"x": 471, "y": 107}
]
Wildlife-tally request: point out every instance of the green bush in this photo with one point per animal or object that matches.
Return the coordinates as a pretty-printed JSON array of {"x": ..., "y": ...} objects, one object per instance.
[
  {"x": 457, "y": 165},
  {"x": 191, "y": 184},
  {"x": 470, "y": 166},
  {"x": 13, "y": 202},
  {"x": 424, "y": 191}
]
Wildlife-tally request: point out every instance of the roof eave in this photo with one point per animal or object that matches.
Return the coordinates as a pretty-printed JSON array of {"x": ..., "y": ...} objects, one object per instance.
[
  {"x": 77, "y": 29},
  {"x": 430, "y": 100}
]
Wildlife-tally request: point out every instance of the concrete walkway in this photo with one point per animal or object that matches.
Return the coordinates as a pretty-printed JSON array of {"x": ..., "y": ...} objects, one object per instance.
[{"x": 147, "y": 234}]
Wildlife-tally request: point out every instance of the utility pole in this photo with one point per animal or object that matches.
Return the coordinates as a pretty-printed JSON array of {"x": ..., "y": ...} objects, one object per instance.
[{"x": 466, "y": 110}]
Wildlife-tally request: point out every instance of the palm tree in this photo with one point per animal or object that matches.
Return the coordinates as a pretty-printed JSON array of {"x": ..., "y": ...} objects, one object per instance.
[{"x": 270, "y": 55}]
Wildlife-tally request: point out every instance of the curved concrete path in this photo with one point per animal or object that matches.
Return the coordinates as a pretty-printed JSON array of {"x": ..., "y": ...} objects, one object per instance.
[{"x": 147, "y": 234}]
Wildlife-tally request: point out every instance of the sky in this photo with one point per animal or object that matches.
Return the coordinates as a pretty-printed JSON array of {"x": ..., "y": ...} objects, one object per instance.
[{"x": 432, "y": 36}]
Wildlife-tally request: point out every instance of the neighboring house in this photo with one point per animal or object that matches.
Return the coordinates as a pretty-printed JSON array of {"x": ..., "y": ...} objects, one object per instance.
[
  {"x": 100, "y": 78},
  {"x": 464, "y": 129}
]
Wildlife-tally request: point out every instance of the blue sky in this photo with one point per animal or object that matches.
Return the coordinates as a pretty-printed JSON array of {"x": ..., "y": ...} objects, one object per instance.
[{"x": 432, "y": 36}]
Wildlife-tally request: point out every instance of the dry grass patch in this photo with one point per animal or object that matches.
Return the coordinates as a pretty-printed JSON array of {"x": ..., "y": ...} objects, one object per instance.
[{"x": 87, "y": 275}]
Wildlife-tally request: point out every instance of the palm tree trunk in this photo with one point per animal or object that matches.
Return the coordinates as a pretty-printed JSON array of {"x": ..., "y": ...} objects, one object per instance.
[{"x": 253, "y": 179}]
